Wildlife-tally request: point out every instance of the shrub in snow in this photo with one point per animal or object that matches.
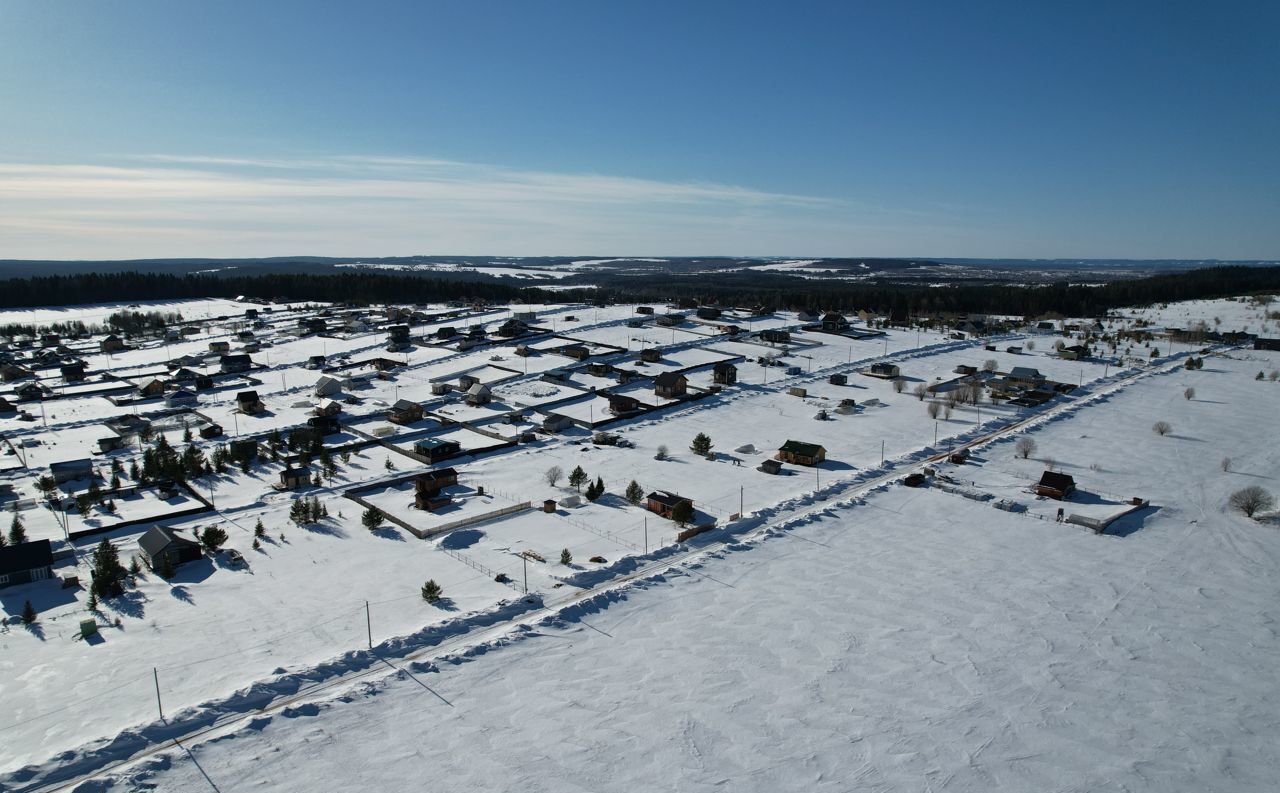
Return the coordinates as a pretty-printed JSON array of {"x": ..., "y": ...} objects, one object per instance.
[{"x": 1251, "y": 500}]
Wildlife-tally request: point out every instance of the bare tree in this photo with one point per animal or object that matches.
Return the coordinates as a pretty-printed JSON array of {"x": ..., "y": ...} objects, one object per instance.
[
  {"x": 1189, "y": 394},
  {"x": 946, "y": 410},
  {"x": 663, "y": 451},
  {"x": 899, "y": 385},
  {"x": 974, "y": 394},
  {"x": 1162, "y": 428},
  {"x": 920, "y": 390},
  {"x": 1251, "y": 500},
  {"x": 1031, "y": 344},
  {"x": 1025, "y": 447},
  {"x": 934, "y": 409},
  {"x": 1226, "y": 464},
  {"x": 1275, "y": 375},
  {"x": 553, "y": 475},
  {"x": 990, "y": 365}
]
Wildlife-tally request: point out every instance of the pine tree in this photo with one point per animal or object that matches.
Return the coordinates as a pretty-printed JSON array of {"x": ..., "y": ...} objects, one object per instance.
[
  {"x": 29, "y": 615},
  {"x": 595, "y": 489},
  {"x": 135, "y": 569},
  {"x": 372, "y": 518},
  {"x": 17, "y": 532},
  {"x": 577, "y": 477},
  {"x": 634, "y": 492},
  {"x": 166, "y": 570},
  {"x": 92, "y": 605},
  {"x": 432, "y": 592},
  {"x": 115, "y": 481},
  {"x": 134, "y": 473},
  {"x": 259, "y": 530},
  {"x": 701, "y": 444},
  {"x": 566, "y": 558},
  {"x": 213, "y": 538},
  {"x": 682, "y": 513},
  {"x": 106, "y": 570}
]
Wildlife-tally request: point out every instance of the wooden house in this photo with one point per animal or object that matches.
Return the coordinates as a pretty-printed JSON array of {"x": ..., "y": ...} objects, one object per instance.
[
  {"x": 622, "y": 404},
  {"x": 1054, "y": 484},
  {"x": 404, "y": 412},
  {"x": 220, "y": 347},
  {"x": 800, "y": 453},
  {"x": 112, "y": 343},
  {"x": 72, "y": 371},
  {"x": 428, "y": 487},
  {"x": 724, "y": 373},
  {"x": 234, "y": 364},
  {"x": 651, "y": 355},
  {"x": 670, "y": 385},
  {"x": 775, "y": 336},
  {"x": 664, "y": 503},
  {"x": 151, "y": 388},
  {"x": 838, "y": 379},
  {"x": 886, "y": 370},
  {"x": 294, "y": 478},
  {"x": 479, "y": 394}
]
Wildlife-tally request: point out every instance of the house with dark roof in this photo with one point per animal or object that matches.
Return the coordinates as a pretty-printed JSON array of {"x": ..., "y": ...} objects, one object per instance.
[
  {"x": 886, "y": 370},
  {"x": 180, "y": 398},
  {"x": 294, "y": 478},
  {"x": 162, "y": 543},
  {"x": 70, "y": 470},
  {"x": 25, "y": 562},
  {"x": 1054, "y": 484},
  {"x": 724, "y": 373},
  {"x": 436, "y": 449},
  {"x": 428, "y": 488},
  {"x": 72, "y": 371},
  {"x": 112, "y": 343},
  {"x": 1025, "y": 376},
  {"x": 834, "y": 322},
  {"x": 234, "y": 364},
  {"x": 801, "y": 453},
  {"x": 248, "y": 402},
  {"x": 404, "y": 412},
  {"x": 664, "y": 503},
  {"x": 622, "y": 404},
  {"x": 670, "y": 385}
]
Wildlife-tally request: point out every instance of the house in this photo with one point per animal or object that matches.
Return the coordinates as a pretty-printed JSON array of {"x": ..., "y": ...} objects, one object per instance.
[
  {"x": 650, "y": 355},
  {"x": 833, "y": 322},
  {"x": 644, "y": 310},
  {"x": 50, "y": 340},
  {"x": 10, "y": 372},
  {"x": 315, "y": 362},
  {"x": 1076, "y": 352},
  {"x": 72, "y": 371},
  {"x": 312, "y": 325},
  {"x": 664, "y": 503},
  {"x": 328, "y": 407},
  {"x": 398, "y": 334},
  {"x": 621, "y": 404},
  {"x": 724, "y": 373},
  {"x": 112, "y": 343},
  {"x": 6, "y": 406},
  {"x": 887, "y": 370},
  {"x": 234, "y": 364},
  {"x": 69, "y": 470},
  {"x": 800, "y": 453},
  {"x": 670, "y": 320},
  {"x": 1266, "y": 344},
  {"x": 774, "y": 336},
  {"x": 404, "y": 412},
  {"x": 220, "y": 347},
  {"x": 1054, "y": 484},
  {"x": 807, "y": 315},
  {"x": 245, "y": 336},
  {"x": 578, "y": 352},
  {"x": 773, "y": 467},
  {"x": 324, "y": 424},
  {"x": 512, "y": 328},
  {"x": 25, "y": 562},
  {"x": 294, "y": 478},
  {"x": 478, "y": 394},
  {"x": 555, "y": 422},
  {"x": 327, "y": 386},
  {"x": 965, "y": 369},
  {"x": 466, "y": 381},
  {"x": 29, "y": 392},
  {"x": 1013, "y": 350},
  {"x": 670, "y": 385},
  {"x": 708, "y": 312},
  {"x": 436, "y": 449},
  {"x": 151, "y": 388},
  {"x": 248, "y": 402},
  {"x": 180, "y": 398},
  {"x": 1025, "y": 376},
  {"x": 162, "y": 544},
  {"x": 599, "y": 369},
  {"x": 427, "y": 488},
  {"x": 211, "y": 431},
  {"x": 838, "y": 379}
]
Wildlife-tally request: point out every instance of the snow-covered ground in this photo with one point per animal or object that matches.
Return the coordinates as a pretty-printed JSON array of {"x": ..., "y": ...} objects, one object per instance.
[
  {"x": 911, "y": 640},
  {"x": 296, "y": 616}
]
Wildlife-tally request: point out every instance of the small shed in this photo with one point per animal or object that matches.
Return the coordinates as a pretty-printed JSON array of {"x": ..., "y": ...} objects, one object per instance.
[
  {"x": 773, "y": 467},
  {"x": 838, "y": 379}
]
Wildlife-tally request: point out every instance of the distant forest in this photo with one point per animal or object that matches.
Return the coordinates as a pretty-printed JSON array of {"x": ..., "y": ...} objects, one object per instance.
[{"x": 746, "y": 288}]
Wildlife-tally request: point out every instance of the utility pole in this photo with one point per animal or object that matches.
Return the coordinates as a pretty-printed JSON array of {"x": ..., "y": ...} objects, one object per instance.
[
  {"x": 526, "y": 573},
  {"x": 368, "y": 624},
  {"x": 156, "y": 675},
  {"x": 646, "y": 533},
  {"x": 881, "y": 453},
  {"x": 741, "y": 490},
  {"x": 935, "y": 433}
]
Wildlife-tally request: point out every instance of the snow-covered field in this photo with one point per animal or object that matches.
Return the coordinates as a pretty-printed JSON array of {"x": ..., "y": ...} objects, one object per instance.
[
  {"x": 914, "y": 640},
  {"x": 908, "y": 639}
]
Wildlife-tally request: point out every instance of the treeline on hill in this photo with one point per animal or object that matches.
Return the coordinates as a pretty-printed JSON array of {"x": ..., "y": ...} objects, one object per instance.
[{"x": 729, "y": 288}]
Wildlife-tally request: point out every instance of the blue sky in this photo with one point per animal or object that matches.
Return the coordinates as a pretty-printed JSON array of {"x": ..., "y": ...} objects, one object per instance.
[{"x": 1011, "y": 129}]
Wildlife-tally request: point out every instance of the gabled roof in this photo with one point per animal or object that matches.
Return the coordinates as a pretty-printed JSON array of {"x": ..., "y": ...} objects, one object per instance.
[
  {"x": 724, "y": 366},
  {"x": 1057, "y": 481},
  {"x": 669, "y": 379},
  {"x": 666, "y": 498},
  {"x": 801, "y": 448},
  {"x": 247, "y": 396},
  {"x": 404, "y": 404},
  {"x": 25, "y": 556},
  {"x": 1025, "y": 373},
  {"x": 159, "y": 538}
]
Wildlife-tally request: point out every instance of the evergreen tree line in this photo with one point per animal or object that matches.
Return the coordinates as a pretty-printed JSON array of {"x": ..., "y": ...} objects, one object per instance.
[{"x": 742, "y": 288}]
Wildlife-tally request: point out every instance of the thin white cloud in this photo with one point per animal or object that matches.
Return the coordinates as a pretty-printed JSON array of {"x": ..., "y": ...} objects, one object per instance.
[{"x": 171, "y": 205}]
